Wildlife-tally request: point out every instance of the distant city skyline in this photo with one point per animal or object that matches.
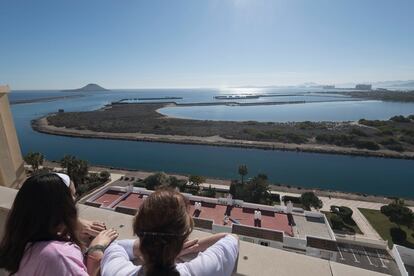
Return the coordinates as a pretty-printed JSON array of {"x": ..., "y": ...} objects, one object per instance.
[{"x": 50, "y": 44}]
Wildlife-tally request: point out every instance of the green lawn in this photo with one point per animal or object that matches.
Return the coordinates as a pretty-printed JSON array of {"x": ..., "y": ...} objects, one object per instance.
[
  {"x": 382, "y": 225},
  {"x": 352, "y": 227}
]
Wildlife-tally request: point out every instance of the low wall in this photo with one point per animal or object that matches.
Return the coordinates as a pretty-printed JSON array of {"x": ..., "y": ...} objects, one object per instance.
[
  {"x": 364, "y": 242},
  {"x": 397, "y": 257},
  {"x": 293, "y": 242}
]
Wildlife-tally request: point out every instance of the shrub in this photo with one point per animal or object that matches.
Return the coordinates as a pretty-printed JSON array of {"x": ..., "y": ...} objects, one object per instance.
[
  {"x": 194, "y": 190},
  {"x": 408, "y": 139},
  {"x": 209, "y": 192},
  {"x": 400, "y": 119},
  {"x": 409, "y": 132},
  {"x": 386, "y": 132},
  {"x": 196, "y": 179},
  {"x": 337, "y": 222},
  {"x": 104, "y": 175},
  {"x": 294, "y": 138},
  {"x": 344, "y": 212},
  {"x": 358, "y": 132},
  {"x": 373, "y": 123},
  {"x": 367, "y": 145},
  {"x": 398, "y": 213},
  {"x": 274, "y": 198},
  {"x": 156, "y": 180},
  {"x": 293, "y": 199},
  {"x": 398, "y": 235},
  {"x": 389, "y": 141},
  {"x": 309, "y": 199},
  {"x": 398, "y": 147},
  {"x": 140, "y": 184}
]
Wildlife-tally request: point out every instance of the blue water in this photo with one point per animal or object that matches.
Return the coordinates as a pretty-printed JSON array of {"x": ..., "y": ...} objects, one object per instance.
[
  {"x": 314, "y": 111},
  {"x": 356, "y": 174}
]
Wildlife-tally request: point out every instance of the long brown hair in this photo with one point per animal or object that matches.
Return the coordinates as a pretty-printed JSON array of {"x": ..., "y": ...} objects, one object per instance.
[
  {"x": 42, "y": 207},
  {"x": 162, "y": 224}
]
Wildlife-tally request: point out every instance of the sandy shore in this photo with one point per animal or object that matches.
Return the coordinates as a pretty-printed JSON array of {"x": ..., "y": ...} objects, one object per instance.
[{"x": 42, "y": 125}]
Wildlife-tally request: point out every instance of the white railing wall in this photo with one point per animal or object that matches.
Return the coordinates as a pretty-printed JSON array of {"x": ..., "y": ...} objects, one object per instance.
[{"x": 397, "y": 257}]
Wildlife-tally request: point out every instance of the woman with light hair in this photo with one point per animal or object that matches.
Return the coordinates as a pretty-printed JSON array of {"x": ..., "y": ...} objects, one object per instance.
[{"x": 163, "y": 225}]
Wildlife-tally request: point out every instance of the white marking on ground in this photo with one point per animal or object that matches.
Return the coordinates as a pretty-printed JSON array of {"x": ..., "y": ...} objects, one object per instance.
[
  {"x": 366, "y": 254},
  {"x": 340, "y": 253},
  {"x": 352, "y": 250},
  {"x": 382, "y": 262}
]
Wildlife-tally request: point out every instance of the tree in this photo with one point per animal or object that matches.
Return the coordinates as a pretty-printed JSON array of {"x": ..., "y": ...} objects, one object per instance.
[
  {"x": 209, "y": 192},
  {"x": 233, "y": 189},
  {"x": 309, "y": 199},
  {"x": 337, "y": 222},
  {"x": 34, "y": 159},
  {"x": 156, "y": 179},
  {"x": 398, "y": 235},
  {"x": 196, "y": 179},
  {"x": 257, "y": 190},
  {"x": 66, "y": 161},
  {"x": 104, "y": 175},
  {"x": 178, "y": 183},
  {"x": 77, "y": 169},
  {"x": 398, "y": 213},
  {"x": 243, "y": 172}
]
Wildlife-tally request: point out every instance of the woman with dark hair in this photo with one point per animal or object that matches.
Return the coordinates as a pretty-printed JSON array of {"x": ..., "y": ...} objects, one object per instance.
[
  {"x": 163, "y": 225},
  {"x": 42, "y": 234}
]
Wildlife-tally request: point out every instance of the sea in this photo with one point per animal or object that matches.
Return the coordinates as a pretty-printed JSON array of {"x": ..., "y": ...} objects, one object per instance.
[{"x": 365, "y": 175}]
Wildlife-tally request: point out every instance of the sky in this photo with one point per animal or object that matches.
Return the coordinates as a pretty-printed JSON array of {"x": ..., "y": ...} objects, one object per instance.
[{"x": 57, "y": 44}]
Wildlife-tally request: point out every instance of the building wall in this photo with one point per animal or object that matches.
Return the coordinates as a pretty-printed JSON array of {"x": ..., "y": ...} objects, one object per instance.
[{"x": 11, "y": 162}]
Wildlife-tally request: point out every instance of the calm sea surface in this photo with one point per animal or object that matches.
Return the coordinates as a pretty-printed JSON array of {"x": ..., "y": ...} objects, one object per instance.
[{"x": 355, "y": 174}]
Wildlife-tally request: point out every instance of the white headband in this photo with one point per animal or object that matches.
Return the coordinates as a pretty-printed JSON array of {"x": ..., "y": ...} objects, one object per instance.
[{"x": 65, "y": 178}]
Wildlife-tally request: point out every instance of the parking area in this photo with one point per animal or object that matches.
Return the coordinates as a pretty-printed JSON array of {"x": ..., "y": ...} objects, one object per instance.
[{"x": 368, "y": 258}]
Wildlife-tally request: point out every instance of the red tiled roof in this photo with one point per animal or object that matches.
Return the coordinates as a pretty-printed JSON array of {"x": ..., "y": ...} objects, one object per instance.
[
  {"x": 270, "y": 220},
  {"x": 132, "y": 201},
  {"x": 108, "y": 198}
]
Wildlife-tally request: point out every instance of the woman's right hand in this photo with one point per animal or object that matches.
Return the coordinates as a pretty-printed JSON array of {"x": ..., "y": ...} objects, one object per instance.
[{"x": 105, "y": 237}]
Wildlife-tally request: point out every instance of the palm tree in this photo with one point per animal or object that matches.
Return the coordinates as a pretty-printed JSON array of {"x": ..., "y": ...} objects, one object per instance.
[
  {"x": 77, "y": 169},
  {"x": 67, "y": 162},
  {"x": 34, "y": 159},
  {"x": 243, "y": 171}
]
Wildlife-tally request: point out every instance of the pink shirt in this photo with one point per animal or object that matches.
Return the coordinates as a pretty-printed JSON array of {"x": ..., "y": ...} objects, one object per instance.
[{"x": 52, "y": 258}]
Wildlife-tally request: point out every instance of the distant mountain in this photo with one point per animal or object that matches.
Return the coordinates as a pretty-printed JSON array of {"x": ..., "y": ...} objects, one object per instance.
[{"x": 88, "y": 88}]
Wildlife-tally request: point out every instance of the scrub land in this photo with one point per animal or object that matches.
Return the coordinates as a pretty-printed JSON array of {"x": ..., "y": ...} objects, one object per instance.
[{"x": 392, "y": 138}]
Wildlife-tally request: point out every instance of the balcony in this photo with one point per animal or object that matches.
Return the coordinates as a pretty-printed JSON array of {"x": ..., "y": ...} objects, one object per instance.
[{"x": 253, "y": 259}]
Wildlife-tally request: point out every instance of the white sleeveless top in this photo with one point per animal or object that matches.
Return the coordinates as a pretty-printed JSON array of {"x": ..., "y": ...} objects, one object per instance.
[{"x": 217, "y": 260}]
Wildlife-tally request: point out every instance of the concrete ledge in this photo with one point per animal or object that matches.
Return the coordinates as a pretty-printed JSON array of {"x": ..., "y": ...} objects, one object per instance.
[{"x": 4, "y": 89}]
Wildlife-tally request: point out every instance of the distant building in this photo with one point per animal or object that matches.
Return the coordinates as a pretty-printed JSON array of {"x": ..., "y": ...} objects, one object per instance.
[
  {"x": 12, "y": 170},
  {"x": 363, "y": 87},
  {"x": 328, "y": 86}
]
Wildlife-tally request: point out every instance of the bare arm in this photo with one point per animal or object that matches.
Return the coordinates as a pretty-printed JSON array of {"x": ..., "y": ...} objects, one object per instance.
[{"x": 93, "y": 259}]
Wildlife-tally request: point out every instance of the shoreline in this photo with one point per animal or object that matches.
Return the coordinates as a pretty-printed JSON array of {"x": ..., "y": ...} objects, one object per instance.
[
  {"x": 46, "y": 99},
  {"x": 277, "y": 187},
  {"x": 41, "y": 125}
]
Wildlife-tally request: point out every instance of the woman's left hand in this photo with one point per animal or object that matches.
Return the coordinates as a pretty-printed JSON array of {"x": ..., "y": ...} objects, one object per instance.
[{"x": 91, "y": 228}]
